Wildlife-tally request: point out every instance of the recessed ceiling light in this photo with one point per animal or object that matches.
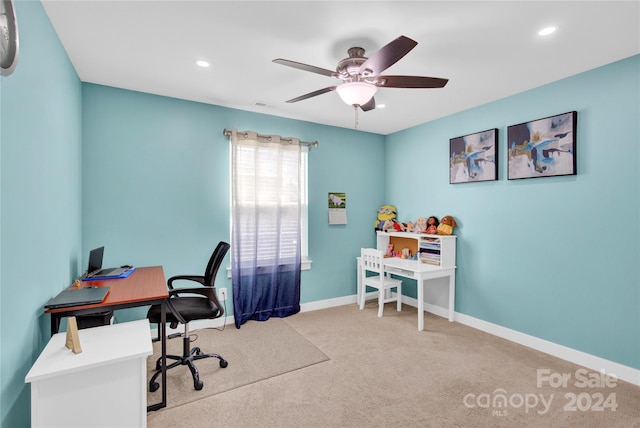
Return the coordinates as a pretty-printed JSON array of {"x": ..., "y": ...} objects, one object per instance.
[
  {"x": 202, "y": 63},
  {"x": 546, "y": 31},
  {"x": 381, "y": 105}
]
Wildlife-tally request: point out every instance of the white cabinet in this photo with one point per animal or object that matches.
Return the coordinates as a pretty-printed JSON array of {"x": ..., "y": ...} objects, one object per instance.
[
  {"x": 437, "y": 250},
  {"x": 103, "y": 386}
]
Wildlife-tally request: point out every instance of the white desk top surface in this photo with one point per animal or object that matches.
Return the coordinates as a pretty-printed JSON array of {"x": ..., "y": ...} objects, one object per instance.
[{"x": 100, "y": 346}]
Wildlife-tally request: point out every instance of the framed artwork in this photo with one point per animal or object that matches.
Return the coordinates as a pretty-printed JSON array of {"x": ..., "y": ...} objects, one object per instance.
[
  {"x": 474, "y": 157},
  {"x": 542, "y": 148}
]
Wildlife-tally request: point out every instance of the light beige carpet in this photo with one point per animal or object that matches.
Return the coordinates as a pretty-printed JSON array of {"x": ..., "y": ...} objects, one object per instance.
[
  {"x": 383, "y": 372},
  {"x": 256, "y": 351}
]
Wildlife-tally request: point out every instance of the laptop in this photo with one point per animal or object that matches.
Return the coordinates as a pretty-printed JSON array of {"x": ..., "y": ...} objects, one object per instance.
[
  {"x": 78, "y": 297},
  {"x": 95, "y": 270}
]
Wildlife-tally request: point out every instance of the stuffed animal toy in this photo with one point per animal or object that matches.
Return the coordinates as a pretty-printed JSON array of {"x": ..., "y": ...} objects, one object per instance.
[
  {"x": 387, "y": 226},
  {"x": 446, "y": 225},
  {"x": 398, "y": 227},
  {"x": 432, "y": 225},
  {"x": 385, "y": 212},
  {"x": 421, "y": 225},
  {"x": 392, "y": 226},
  {"x": 389, "y": 250}
]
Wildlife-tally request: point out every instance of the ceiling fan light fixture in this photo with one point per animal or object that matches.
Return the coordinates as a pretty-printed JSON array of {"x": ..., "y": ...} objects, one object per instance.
[{"x": 356, "y": 93}]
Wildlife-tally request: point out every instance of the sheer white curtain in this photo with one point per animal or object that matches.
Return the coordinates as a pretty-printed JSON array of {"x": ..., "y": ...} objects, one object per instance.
[{"x": 266, "y": 202}]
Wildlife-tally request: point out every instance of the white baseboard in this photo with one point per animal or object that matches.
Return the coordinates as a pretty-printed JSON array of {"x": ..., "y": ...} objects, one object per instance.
[
  {"x": 620, "y": 371},
  {"x": 329, "y": 303}
]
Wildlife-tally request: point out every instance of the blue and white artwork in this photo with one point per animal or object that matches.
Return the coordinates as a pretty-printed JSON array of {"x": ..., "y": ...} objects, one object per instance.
[
  {"x": 474, "y": 157},
  {"x": 542, "y": 148}
]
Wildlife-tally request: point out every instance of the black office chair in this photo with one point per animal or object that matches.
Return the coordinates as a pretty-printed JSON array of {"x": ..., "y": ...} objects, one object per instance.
[{"x": 184, "y": 309}]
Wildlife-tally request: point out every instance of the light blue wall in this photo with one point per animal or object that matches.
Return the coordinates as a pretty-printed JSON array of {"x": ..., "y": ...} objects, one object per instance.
[
  {"x": 556, "y": 258},
  {"x": 40, "y": 199},
  {"x": 165, "y": 165}
]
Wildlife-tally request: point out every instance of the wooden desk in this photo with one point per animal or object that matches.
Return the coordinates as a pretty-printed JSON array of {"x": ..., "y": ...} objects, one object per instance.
[
  {"x": 421, "y": 272},
  {"x": 146, "y": 286}
]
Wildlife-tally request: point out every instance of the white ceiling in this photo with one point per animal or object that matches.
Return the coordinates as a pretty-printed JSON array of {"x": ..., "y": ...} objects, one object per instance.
[{"x": 488, "y": 50}]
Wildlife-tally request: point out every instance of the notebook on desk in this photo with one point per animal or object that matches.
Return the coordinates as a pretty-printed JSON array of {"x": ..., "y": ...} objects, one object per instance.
[
  {"x": 95, "y": 270},
  {"x": 78, "y": 297}
]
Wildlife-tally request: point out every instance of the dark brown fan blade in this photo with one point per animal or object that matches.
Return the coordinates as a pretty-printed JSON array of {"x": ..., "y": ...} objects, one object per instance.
[
  {"x": 312, "y": 94},
  {"x": 369, "y": 105},
  {"x": 386, "y": 56},
  {"x": 305, "y": 67},
  {"x": 409, "y": 82}
]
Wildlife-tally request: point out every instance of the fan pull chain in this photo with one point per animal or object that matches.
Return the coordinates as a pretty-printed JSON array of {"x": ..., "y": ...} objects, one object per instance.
[{"x": 355, "y": 124}]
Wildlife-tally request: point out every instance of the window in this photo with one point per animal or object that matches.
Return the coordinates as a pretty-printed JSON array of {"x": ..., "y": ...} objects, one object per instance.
[{"x": 270, "y": 198}]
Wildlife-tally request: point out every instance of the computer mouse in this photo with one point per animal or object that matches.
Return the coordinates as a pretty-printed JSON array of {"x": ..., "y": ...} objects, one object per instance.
[{"x": 126, "y": 266}]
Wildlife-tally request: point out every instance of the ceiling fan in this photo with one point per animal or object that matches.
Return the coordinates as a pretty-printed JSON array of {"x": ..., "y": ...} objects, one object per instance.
[{"x": 361, "y": 75}]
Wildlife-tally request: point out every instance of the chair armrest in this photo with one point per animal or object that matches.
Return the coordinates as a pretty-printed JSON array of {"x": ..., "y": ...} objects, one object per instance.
[
  {"x": 196, "y": 278},
  {"x": 175, "y": 312},
  {"x": 208, "y": 292}
]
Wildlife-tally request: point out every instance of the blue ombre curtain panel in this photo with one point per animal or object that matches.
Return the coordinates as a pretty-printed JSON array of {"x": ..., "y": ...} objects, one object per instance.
[{"x": 266, "y": 231}]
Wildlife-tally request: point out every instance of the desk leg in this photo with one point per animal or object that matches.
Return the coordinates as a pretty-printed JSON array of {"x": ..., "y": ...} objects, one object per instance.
[
  {"x": 163, "y": 356},
  {"x": 358, "y": 281},
  {"x": 420, "y": 284},
  {"x": 55, "y": 323},
  {"x": 452, "y": 296},
  {"x": 163, "y": 330}
]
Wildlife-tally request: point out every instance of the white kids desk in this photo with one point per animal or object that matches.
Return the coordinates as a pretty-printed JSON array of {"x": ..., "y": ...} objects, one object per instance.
[{"x": 439, "y": 249}]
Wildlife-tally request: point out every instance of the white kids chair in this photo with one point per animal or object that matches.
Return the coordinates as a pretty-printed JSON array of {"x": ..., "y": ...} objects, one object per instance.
[{"x": 372, "y": 261}]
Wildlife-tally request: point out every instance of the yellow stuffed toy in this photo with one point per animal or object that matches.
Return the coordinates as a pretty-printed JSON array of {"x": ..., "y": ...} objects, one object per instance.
[
  {"x": 385, "y": 212},
  {"x": 447, "y": 223}
]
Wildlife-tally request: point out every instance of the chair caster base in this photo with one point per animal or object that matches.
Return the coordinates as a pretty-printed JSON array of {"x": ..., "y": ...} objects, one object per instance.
[{"x": 188, "y": 360}]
